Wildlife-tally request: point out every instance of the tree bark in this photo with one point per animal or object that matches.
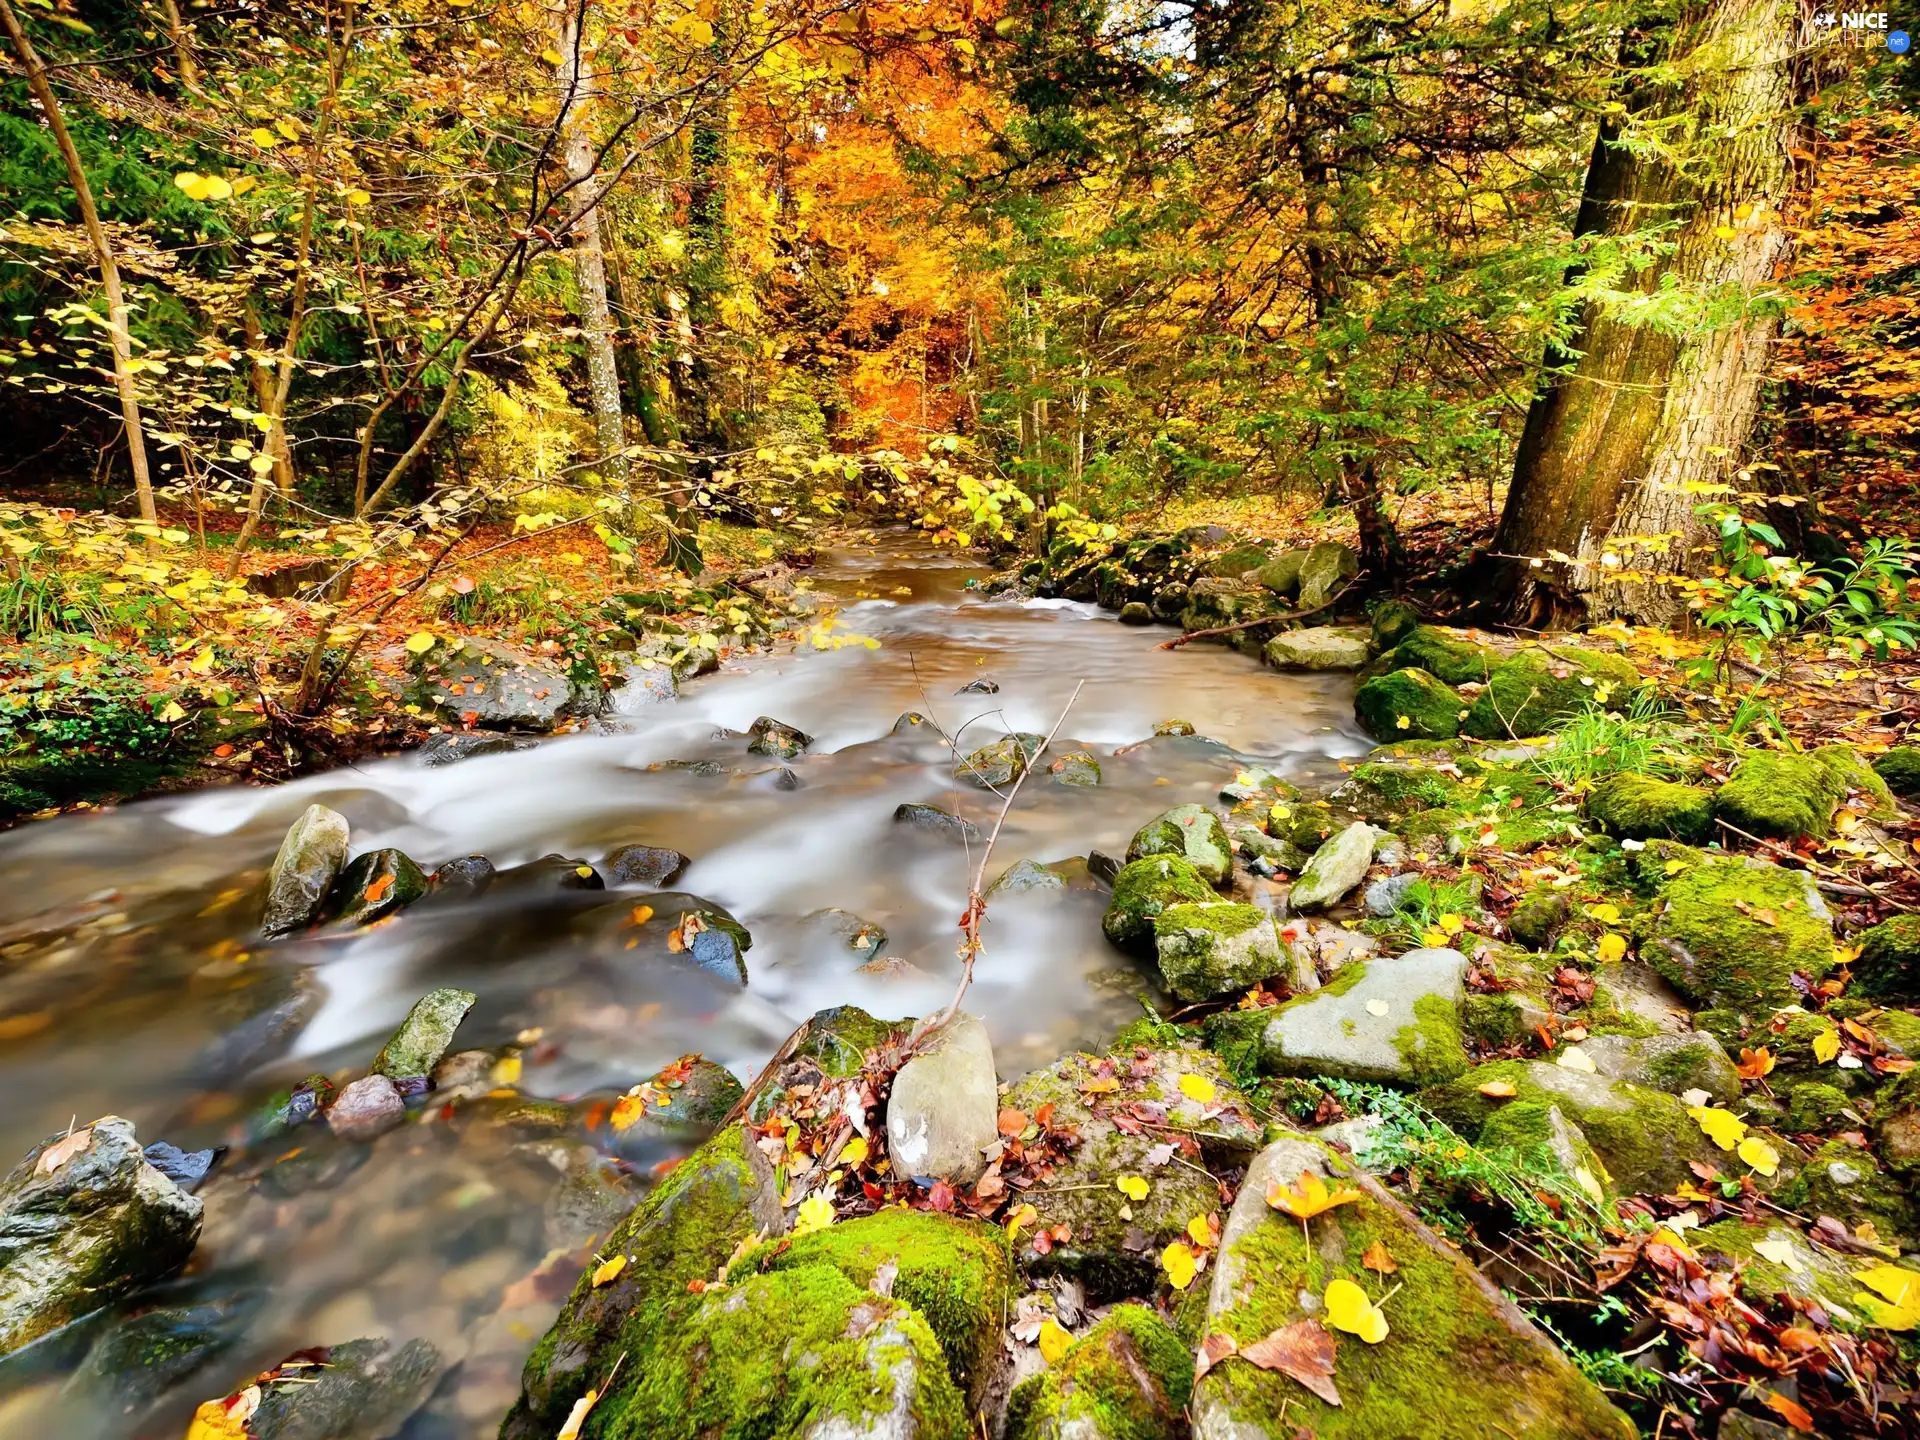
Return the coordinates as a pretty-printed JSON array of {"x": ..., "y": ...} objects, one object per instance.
[
  {"x": 589, "y": 254},
  {"x": 1638, "y": 416},
  {"x": 103, "y": 255}
]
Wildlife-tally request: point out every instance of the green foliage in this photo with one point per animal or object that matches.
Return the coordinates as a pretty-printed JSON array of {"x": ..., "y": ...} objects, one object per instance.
[{"x": 1598, "y": 742}]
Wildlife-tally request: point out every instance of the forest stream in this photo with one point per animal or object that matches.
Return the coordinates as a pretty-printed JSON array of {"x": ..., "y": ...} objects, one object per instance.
[{"x": 131, "y": 946}]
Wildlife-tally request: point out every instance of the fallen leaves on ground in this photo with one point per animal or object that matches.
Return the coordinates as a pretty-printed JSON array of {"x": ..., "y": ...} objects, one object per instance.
[{"x": 1302, "y": 1351}]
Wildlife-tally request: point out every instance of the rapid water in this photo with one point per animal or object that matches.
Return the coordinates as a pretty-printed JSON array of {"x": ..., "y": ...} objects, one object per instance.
[{"x": 133, "y": 981}]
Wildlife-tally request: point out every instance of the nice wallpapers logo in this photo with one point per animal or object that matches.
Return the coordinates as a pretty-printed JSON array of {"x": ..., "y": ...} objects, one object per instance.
[{"x": 1868, "y": 29}]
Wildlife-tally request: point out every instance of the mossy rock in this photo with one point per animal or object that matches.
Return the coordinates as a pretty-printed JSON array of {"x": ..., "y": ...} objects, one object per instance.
[
  {"x": 374, "y": 886},
  {"x": 1804, "y": 1271},
  {"x": 833, "y": 1045},
  {"x": 1409, "y": 785},
  {"x": 1900, "y": 769},
  {"x": 1192, "y": 832},
  {"x": 1077, "y": 768},
  {"x": 1281, "y": 573},
  {"x": 1215, "y": 949},
  {"x": 1128, "y": 1378},
  {"x": 1141, "y": 891},
  {"x": 956, "y": 1273},
  {"x": 1780, "y": 796},
  {"x": 425, "y": 1035},
  {"x": 686, "y": 1230},
  {"x": 1733, "y": 933},
  {"x": 1641, "y": 807},
  {"x": 1495, "y": 1021},
  {"x": 1408, "y": 704},
  {"x": 1644, "y": 1137},
  {"x": 1000, "y": 762},
  {"x": 1815, "y": 1105},
  {"x": 1540, "y": 1140},
  {"x": 1539, "y": 918},
  {"x": 1532, "y": 691},
  {"x": 1460, "y": 1361},
  {"x": 1027, "y": 877},
  {"x": 1889, "y": 963},
  {"x": 1673, "y": 1063},
  {"x": 1847, "y": 1183},
  {"x": 1392, "y": 1020},
  {"x": 1391, "y": 622},
  {"x": 1450, "y": 661}
]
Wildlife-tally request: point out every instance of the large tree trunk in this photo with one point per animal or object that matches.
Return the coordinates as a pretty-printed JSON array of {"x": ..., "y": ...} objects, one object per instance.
[
  {"x": 589, "y": 255},
  {"x": 1640, "y": 414}
]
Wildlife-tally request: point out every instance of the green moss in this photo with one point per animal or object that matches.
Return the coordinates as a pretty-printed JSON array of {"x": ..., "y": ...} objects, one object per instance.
[
  {"x": 1734, "y": 934},
  {"x": 1900, "y": 769},
  {"x": 1128, "y": 1378},
  {"x": 1433, "y": 1047},
  {"x": 1538, "y": 918},
  {"x": 1781, "y": 796},
  {"x": 1447, "y": 1342},
  {"x": 1538, "y": 1139},
  {"x": 1640, "y": 807},
  {"x": 1847, "y": 1183},
  {"x": 1814, "y": 1105},
  {"x": 1816, "y": 1273},
  {"x": 1408, "y": 704},
  {"x": 1852, "y": 771},
  {"x": 1234, "y": 1035},
  {"x": 1391, "y": 622},
  {"x": 1494, "y": 1020},
  {"x": 1450, "y": 661},
  {"x": 958, "y": 1274},
  {"x": 1889, "y": 963},
  {"x": 1141, "y": 891},
  {"x": 834, "y": 1046},
  {"x": 1410, "y": 785},
  {"x": 1532, "y": 691},
  {"x": 1192, "y": 833}
]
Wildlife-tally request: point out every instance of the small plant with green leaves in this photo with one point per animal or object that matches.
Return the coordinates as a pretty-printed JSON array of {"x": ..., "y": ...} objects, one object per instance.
[
  {"x": 1432, "y": 911},
  {"x": 1598, "y": 742}
]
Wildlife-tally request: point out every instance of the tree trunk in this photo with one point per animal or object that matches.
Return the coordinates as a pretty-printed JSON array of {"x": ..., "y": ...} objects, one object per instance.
[
  {"x": 1639, "y": 415},
  {"x": 589, "y": 254},
  {"x": 103, "y": 255}
]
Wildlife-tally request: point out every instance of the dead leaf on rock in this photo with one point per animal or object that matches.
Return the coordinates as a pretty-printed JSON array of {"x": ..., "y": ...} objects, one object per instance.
[
  {"x": 1377, "y": 1259},
  {"x": 1302, "y": 1350},
  {"x": 61, "y": 1151},
  {"x": 1215, "y": 1348}
]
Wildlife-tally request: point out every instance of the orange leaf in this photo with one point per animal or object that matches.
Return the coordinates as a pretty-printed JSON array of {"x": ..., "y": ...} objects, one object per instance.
[
  {"x": 1790, "y": 1410},
  {"x": 1755, "y": 1063},
  {"x": 377, "y": 891},
  {"x": 1377, "y": 1259},
  {"x": 1302, "y": 1350},
  {"x": 1012, "y": 1122},
  {"x": 1309, "y": 1196},
  {"x": 1215, "y": 1348},
  {"x": 1499, "y": 1090}
]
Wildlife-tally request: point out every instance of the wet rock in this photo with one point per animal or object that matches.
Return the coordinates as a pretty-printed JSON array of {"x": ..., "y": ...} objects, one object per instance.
[
  {"x": 1192, "y": 832},
  {"x": 547, "y": 875},
  {"x": 1001, "y": 762},
  {"x": 979, "y": 687},
  {"x": 452, "y": 746},
  {"x": 425, "y": 1035},
  {"x": 782, "y": 741},
  {"x": 832, "y": 1045},
  {"x": 465, "y": 1074},
  {"x": 1128, "y": 1378},
  {"x": 1889, "y": 963},
  {"x": 1396, "y": 1020},
  {"x": 1112, "y": 1253},
  {"x": 956, "y": 1273},
  {"x": 281, "y": 1004},
  {"x": 376, "y": 885},
  {"x": 1136, "y": 612},
  {"x": 312, "y": 1170},
  {"x": 644, "y": 684},
  {"x": 365, "y": 1387},
  {"x": 1169, "y": 602},
  {"x": 495, "y": 686},
  {"x": 142, "y": 1357},
  {"x": 1141, "y": 891},
  {"x": 366, "y": 1109},
  {"x": 311, "y": 857},
  {"x": 1673, "y": 1063},
  {"x": 1076, "y": 767},
  {"x": 1318, "y": 647},
  {"x": 1336, "y": 867},
  {"x": 1282, "y": 573},
  {"x": 687, "y": 1100},
  {"x": 644, "y": 865},
  {"x": 942, "y": 1111},
  {"x": 1027, "y": 877},
  {"x": 703, "y": 935},
  {"x": 1214, "y": 949},
  {"x": 1103, "y": 868},
  {"x": 1457, "y": 1338},
  {"x": 845, "y": 934},
  {"x": 461, "y": 879},
  {"x": 291, "y": 1108},
  {"x": 1408, "y": 705},
  {"x": 1732, "y": 934},
  {"x": 935, "y": 821},
  {"x": 84, "y": 1220},
  {"x": 780, "y": 777},
  {"x": 915, "y": 724},
  {"x": 1174, "y": 728},
  {"x": 186, "y": 1168},
  {"x": 1391, "y": 622}
]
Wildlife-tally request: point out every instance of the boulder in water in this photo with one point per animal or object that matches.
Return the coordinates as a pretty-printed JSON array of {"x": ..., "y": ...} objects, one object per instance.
[
  {"x": 1319, "y": 647},
  {"x": 644, "y": 865},
  {"x": 1076, "y": 767},
  {"x": 1336, "y": 867},
  {"x": 550, "y": 873},
  {"x": 777, "y": 739},
  {"x": 462, "y": 879},
  {"x": 310, "y": 859},
  {"x": 85, "y": 1219},
  {"x": 844, "y": 933},
  {"x": 365, "y": 1387},
  {"x": 935, "y": 821},
  {"x": 1141, "y": 891},
  {"x": 495, "y": 686},
  {"x": 376, "y": 885},
  {"x": 425, "y": 1035},
  {"x": 1194, "y": 833},
  {"x": 453, "y": 746},
  {"x": 1000, "y": 762},
  {"x": 1323, "y": 570},
  {"x": 686, "y": 1100}
]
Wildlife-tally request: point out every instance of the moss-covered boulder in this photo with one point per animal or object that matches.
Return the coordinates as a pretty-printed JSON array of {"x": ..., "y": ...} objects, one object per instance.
[
  {"x": 1641, "y": 807},
  {"x": 1733, "y": 933},
  {"x": 1141, "y": 891},
  {"x": 1532, "y": 691},
  {"x": 1450, "y": 661},
  {"x": 1391, "y": 622},
  {"x": 1539, "y": 917},
  {"x": 686, "y": 1230},
  {"x": 956, "y": 1273},
  {"x": 1077, "y": 768},
  {"x": 1889, "y": 963},
  {"x": 1644, "y": 1137},
  {"x": 1216, "y": 949},
  {"x": 85, "y": 1219},
  {"x": 1192, "y": 832},
  {"x": 1459, "y": 1361},
  {"x": 1336, "y": 868},
  {"x": 1846, "y": 1182},
  {"x": 1410, "y": 705},
  {"x": 1326, "y": 567},
  {"x": 1114, "y": 1242},
  {"x": 1791, "y": 1265},
  {"x": 1900, "y": 769},
  {"x": 1781, "y": 796},
  {"x": 685, "y": 1101},
  {"x": 1815, "y": 1105},
  {"x": 1000, "y": 762},
  {"x": 1128, "y": 1378},
  {"x": 425, "y": 1035},
  {"x": 1212, "y": 603},
  {"x": 1281, "y": 574},
  {"x": 1392, "y": 1020},
  {"x": 832, "y": 1045},
  {"x": 1674, "y": 1063},
  {"x": 311, "y": 856}
]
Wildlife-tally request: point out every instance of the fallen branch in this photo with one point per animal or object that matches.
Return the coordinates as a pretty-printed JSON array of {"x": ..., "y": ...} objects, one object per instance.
[
  {"x": 1853, "y": 886},
  {"x": 1180, "y": 640}
]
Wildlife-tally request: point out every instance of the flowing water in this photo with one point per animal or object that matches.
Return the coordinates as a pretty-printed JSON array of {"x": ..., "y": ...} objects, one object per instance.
[{"x": 132, "y": 980}]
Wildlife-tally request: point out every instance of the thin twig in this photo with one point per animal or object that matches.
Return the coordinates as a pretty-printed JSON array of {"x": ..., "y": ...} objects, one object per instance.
[
  {"x": 1816, "y": 865},
  {"x": 1179, "y": 640}
]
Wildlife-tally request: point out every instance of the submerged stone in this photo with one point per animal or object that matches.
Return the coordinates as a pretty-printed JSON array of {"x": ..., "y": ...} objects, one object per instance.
[
  {"x": 1141, "y": 890},
  {"x": 1076, "y": 767},
  {"x": 934, "y": 821},
  {"x": 461, "y": 879},
  {"x": 310, "y": 858},
  {"x": 365, "y": 1387},
  {"x": 1027, "y": 877},
  {"x": 425, "y": 1035},
  {"x": 843, "y": 933},
  {"x": 1001, "y": 762},
  {"x": 1192, "y": 832}
]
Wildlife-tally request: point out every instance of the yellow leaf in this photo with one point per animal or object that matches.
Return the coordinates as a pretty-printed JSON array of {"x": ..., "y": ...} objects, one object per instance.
[
  {"x": 1179, "y": 1263},
  {"x": 1349, "y": 1309},
  {"x": 854, "y": 1151},
  {"x": 815, "y": 1213},
  {"x": 1606, "y": 914},
  {"x": 1133, "y": 1187},
  {"x": 1722, "y": 1127},
  {"x": 1574, "y": 1058},
  {"x": 214, "y": 188},
  {"x": 1611, "y": 949},
  {"x": 263, "y": 137},
  {"x": 1200, "y": 1231},
  {"x": 173, "y": 712},
  {"x": 1401, "y": 722},
  {"x": 1826, "y": 1045},
  {"x": 203, "y": 662},
  {"x": 359, "y": 197},
  {"x": 552, "y": 56},
  {"x": 1054, "y": 1341},
  {"x": 1026, "y": 1215},
  {"x": 1590, "y": 1183},
  {"x": 1725, "y": 232},
  {"x": 1197, "y": 1087},
  {"x": 629, "y": 1109},
  {"x": 506, "y": 1070},
  {"x": 609, "y": 1271},
  {"x": 583, "y": 1407},
  {"x": 1891, "y": 1283},
  {"x": 1309, "y": 1196},
  {"x": 421, "y": 641}
]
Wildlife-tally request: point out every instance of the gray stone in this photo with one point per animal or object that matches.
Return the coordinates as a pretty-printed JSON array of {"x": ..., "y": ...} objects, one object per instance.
[
  {"x": 1192, "y": 832},
  {"x": 452, "y": 746},
  {"x": 777, "y": 739},
  {"x": 647, "y": 684},
  {"x": 1216, "y": 949},
  {"x": 377, "y": 884},
  {"x": 944, "y": 1108},
  {"x": 1673, "y": 1063},
  {"x": 84, "y": 1220},
  {"x": 425, "y": 1035},
  {"x": 310, "y": 859},
  {"x": 1385, "y": 895},
  {"x": 1027, "y": 877},
  {"x": 1318, "y": 647},
  {"x": 1336, "y": 867},
  {"x": 366, "y": 1109},
  {"x": 935, "y": 821},
  {"x": 366, "y": 1387},
  {"x": 1076, "y": 767},
  {"x": 1396, "y": 1020},
  {"x": 145, "y": 1355},
  {"x": 461, "y": 879},
  {"x": 500, "y": 686},
  {"x": 1325, "y": 568},
  {"x": 843, "y": 933},
  {"x": 644, "y": 865},
  {"x": 1282, "y": 573},
  {"x": 685, "y": 1102}
]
